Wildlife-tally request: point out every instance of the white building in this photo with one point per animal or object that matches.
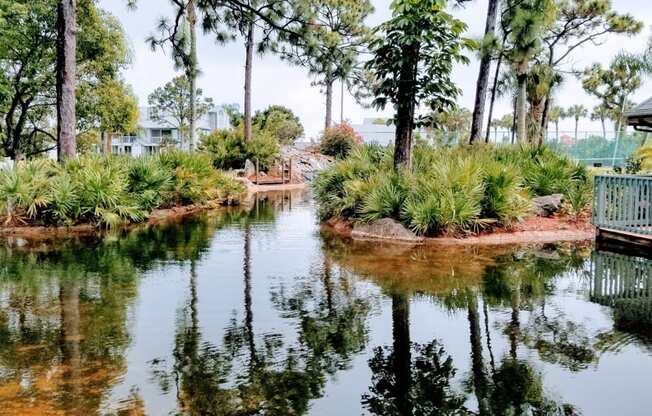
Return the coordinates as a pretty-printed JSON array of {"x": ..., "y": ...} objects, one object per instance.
[
  {"x": 371, "y": 132},
  {"x": 152, "y": 133}
]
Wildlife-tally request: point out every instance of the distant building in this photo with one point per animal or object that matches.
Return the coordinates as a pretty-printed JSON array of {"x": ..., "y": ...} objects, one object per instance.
[
  {"x": 372, "y": 131},
  {"x": 152, "y": 134}
]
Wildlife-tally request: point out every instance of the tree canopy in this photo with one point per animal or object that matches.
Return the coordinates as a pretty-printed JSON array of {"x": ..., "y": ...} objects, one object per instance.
[
  {"x": 170, "y": 105},
  {"x": 27, "y": 68}
]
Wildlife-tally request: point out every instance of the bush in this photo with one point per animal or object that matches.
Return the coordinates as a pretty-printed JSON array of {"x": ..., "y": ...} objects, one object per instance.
[
  {"x": 108, "y": 191},
  {"x": 454, "y": 190},
  {"x": 339, "y": 141},
  {"x": 228, "y": 149},
  {"x": 280, "y": 122}
]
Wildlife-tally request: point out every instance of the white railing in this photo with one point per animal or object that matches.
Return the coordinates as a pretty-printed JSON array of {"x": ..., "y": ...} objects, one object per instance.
[{"x": 623, "y": 203}]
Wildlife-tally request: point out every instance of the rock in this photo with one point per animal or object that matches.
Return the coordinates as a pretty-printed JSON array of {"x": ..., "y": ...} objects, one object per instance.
[
  {"x": 305, "y": 163},
  {"x": 249, "y": 169},
  {"x": 546, "y": 206},
  {"x": 386, "y": 229}
]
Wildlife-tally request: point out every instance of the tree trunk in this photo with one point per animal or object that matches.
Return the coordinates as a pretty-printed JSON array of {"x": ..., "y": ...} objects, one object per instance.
[
  {"x": 405, "y": 109},
  {"x": 402, "y": 354},
  {"x": 479, "y": 374},
  {"x": 329, "y": 102},
  {"x": 521, "y": 109},
  {"x": 71, "y": 339},
  {"x": 483, "y": 76},
  {"x": 577, "y": 122},
  {"x": 249, "y": 314},
  {"x": 513, "y": 130},
  {"x": 494, "y": 89},
  {"x": 66, "y": 70},
  {"x": 192, "y": 74},
  {"x": 557, "y": 130},
  {"x": 515, "y": 324},
  {"x": 604, "y": 129},
  {"x": 248, "y": 72},
  {"x": 342, "y": 104}
]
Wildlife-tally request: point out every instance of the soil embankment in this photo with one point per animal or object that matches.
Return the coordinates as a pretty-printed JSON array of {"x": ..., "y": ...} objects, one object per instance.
[{"x": 535, "y": 230}]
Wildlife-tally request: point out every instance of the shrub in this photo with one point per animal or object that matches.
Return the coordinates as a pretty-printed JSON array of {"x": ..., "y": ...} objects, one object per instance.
[
  {"x": 339, "y": 141},
  {"x": 455, "y": 190},
  {"x": 108, "y": 191},
  {"x": 228, "y": 149},
  {"x": 264, "y": 148},
  {"x": 280, "y": 122}
]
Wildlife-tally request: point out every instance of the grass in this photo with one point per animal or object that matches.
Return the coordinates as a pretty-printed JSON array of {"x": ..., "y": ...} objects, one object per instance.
[
  {"x": 108, "y": 191},
  {"x": 449, "y": 190}
]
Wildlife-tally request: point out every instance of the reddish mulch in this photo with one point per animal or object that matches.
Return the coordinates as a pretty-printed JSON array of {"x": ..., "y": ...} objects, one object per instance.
[{"x": 533, "y": 230}]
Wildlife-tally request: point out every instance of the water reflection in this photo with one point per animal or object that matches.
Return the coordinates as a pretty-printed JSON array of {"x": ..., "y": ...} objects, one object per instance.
[
  {"x": 625, "y": 284},
  {"x": 268, "y": 317}
]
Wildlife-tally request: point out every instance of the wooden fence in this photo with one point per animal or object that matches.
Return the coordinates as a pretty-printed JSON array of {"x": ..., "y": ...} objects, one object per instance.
[{"x": 623, "y": 203}]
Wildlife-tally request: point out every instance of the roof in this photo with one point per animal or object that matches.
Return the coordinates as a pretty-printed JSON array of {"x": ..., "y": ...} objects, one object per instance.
[
  {"x": 641, "y": 116},
  {"x": 643, "y": 109}
]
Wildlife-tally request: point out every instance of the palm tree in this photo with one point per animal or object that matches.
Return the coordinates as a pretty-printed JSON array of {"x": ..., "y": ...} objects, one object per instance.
[
  {"x": 483, "y": 76},
  {"x": 555, "y": 115},
  {"x": 601, "y": 112},
  {"x": 577, "y": 112},
  {"x": 66, "y": 79},
  {"x": 526, "y": 20}
]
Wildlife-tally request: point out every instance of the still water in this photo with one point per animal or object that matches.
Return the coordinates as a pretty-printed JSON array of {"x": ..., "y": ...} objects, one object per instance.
[{"x": 258, "y": 312}]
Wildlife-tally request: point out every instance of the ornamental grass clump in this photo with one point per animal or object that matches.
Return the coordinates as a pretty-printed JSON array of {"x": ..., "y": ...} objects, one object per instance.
[
  {"x": 108, "y": 191},
  {"x": 448, "y": 190}
]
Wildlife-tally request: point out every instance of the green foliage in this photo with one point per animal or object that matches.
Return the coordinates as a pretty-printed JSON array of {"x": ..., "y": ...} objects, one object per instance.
[
  {"x": 229, "y": 150},
  {"x": 226, "y": 147},
  {"x": 170, "y": 105},
  {"x": 108, "y": 105},
  {"x": 280, "y": 122},
  {"x": 578, "y": 196},
  {"x": 108, "y": 191},
  {"x": 330, "y": 50},
  {"x": 421, "y": 36},
  {"x": 28, "y": 35},
  {"x": 449, "y": 190},
  {"x": 339, "y": 141},
  {"x": 615, "y": 84}
]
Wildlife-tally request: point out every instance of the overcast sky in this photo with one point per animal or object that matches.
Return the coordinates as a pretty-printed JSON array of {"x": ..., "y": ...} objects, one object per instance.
[{"x": 275, "y": 82}]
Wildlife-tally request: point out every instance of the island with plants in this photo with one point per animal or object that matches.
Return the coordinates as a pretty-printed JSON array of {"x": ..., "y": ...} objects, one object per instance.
[{"x": 457, "y": 192}]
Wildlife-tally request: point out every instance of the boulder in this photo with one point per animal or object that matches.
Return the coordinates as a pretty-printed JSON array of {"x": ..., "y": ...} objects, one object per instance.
[
  {"x": 386, "y": 229},
  {"x": 546, "y": 206},
  {"x": 249, "y": 169}
]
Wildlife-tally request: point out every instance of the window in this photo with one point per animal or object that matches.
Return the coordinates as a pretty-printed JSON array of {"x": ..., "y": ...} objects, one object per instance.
[
  {"x": 152, "y": 114},
  {"x": 159, "y": 135},
  {"x": 115, "y": 149},
  {"x": 127, "y": 150},
  {"x": 150, "y": 150}
]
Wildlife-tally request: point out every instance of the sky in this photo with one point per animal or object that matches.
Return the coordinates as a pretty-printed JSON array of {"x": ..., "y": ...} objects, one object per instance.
[{"x": 276, "y": 82}]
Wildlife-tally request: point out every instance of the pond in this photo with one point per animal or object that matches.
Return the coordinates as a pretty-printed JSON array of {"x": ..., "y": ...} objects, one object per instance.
[{"x": 259, "y": 312}]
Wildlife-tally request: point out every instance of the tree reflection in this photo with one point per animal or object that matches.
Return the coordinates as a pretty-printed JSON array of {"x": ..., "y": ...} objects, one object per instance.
[
  {"x": 64, "y": 314},
  {"x": 408, "y": 378},
  {"x": 475, "y": 281},
  {"x": 267, "y": 373}
]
